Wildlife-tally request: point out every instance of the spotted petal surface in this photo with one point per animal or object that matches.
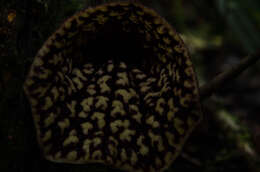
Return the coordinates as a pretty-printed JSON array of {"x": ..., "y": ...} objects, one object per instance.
[{"x": 114, "y": 85}]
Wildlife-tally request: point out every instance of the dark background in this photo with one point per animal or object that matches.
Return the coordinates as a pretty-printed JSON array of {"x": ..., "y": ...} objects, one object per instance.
[{"x": 218, "y": 33}]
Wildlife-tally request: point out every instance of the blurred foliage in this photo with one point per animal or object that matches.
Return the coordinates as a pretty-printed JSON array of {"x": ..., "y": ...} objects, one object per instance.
[{"x": 218, "y": 33}]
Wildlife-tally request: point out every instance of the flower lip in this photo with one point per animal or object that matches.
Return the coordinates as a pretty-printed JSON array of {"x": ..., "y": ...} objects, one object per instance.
[{"x": 114, "y": 85}]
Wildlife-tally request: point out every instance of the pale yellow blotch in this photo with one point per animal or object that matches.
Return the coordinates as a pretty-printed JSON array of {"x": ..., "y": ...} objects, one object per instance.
[
  {"x": 38, "y": 62},
  {"x": 102, "y": 102},
  {"x": 78, "y": 82},
  {"x": 128, "y": 167},
  {"x": 55, "y": 92},
  {"x": 188, "y": 84},
  {"x": 184, "y": 100},
  {"x": 195, "y": 92},
  {"x": 123, "y": 154},
  {"x": 115, "y": 14},
  {"x": 158, "y": 162},
  {"x": 143, "y": 149},
  {"x": 180, "y": 60},
  {"x": 162, "y": 57},
  {"x": 118, "y": 108},
  {"x": 170, "y": 70},
  {"x": 49, "y": 120},
  {"x": 163, "y": 78},
  {"x": 103, "y": 85},
  {"x": 71, "y": 34},
  {"x": 126, "y": 135},
  {"x": 102, "y": 8},
  {"x": 190, "y": 122},
  {"x": 79, "y": 74},
  {"x": 148, "y": 25},
  {"x": 126, "y": 123},
  {"x": 118, "y": 123},
  {"x": 61, "y": 31},
  {"x": 171, "y": 114},
  {"x": 79, "y": 22},
  {"x": 57, "y": 155},
  {"x": 96, "y": 141},
  {"x": 177, "y": 92},
  {"x": 172, "y": 110},
  {"x": 145, "y": 89},
  {"x": 178, "y": 49},
  {"x": 86, "y": 148},
  {"x": 169, "y": 50},
  {"x": 124, "y": 93},
  {"x": 88, "y": 27},
  {"x": 112, "y": 150},
  {"x": 122, "y": 65},
  {"x": 141, "y": 13},
  {"x": 84, "y": 14},
  {"x": 86, "y": 127},
  {"x": 48, "y": 103},
  {"x": 161, "y": 29},
  {"x": 62, "y": 93},
  {"x": 175, "y": 36},
  {"x": 88, "y": 69},
  {"x": 189, "y": 71},
  {"x": 97, "y": 154},
  {"x": 71, "y": 107},
  {"x": 71, "y": 86},
  {"x": 159, "y": 106},
  {"x": 67, "y": 24},
  {"x": 123, "y": 80},
  {"x": 72, "y": 138},
  {"x": 138, "y": 117},
  {"x": 177, "y": 124},
  {"x": 186, "y": 54},
  {"x": 29, "y": 82},
  {"x": 44, "y": 74},
  {"x": 133, "y": 18},
  {"x": 47, "y": 148},
  {"x": 110, "y": 67},
  {"x": 114, "y": 125},
  {"x": 136, "y": 71},
  {"x": 158, "y": 139},
  {"x": 99, "y": 133},
  {"x": 83, "y": 114},
  {"x": 188, "y": 62},
  {"x": 101, "y": 19},
  {"x": 33, "y": 102},
  {"x": 140, "y": 76},
  {"x": 61, "y": 76},
  {"x": 41, "y": 91},
  {"x": 134, "y": 158},
  {"x": 111, "y": 138},
  {"x": 168, "y": 157},
  {"x": 47, "y": 136},
  {"x": 72, "y": 155},
  {"x": 100, "y": 117},
  {"x": 87, "y": 103},
  {"x": 109, "y": 160},
  {"x": 170, "y": 138},
  {"x": 152, "y": 122},
  {"x": 58, "y": 44},
  {"x": 64, "y": 124},
  {"x": 166, "y": 40},
  {"x": 151, "y": 94},
  {"x": 44, "y": 50}
]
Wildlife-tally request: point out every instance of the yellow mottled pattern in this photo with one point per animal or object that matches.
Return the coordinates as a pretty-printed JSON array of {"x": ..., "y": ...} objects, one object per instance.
[{"x": 123, "y": 109}]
